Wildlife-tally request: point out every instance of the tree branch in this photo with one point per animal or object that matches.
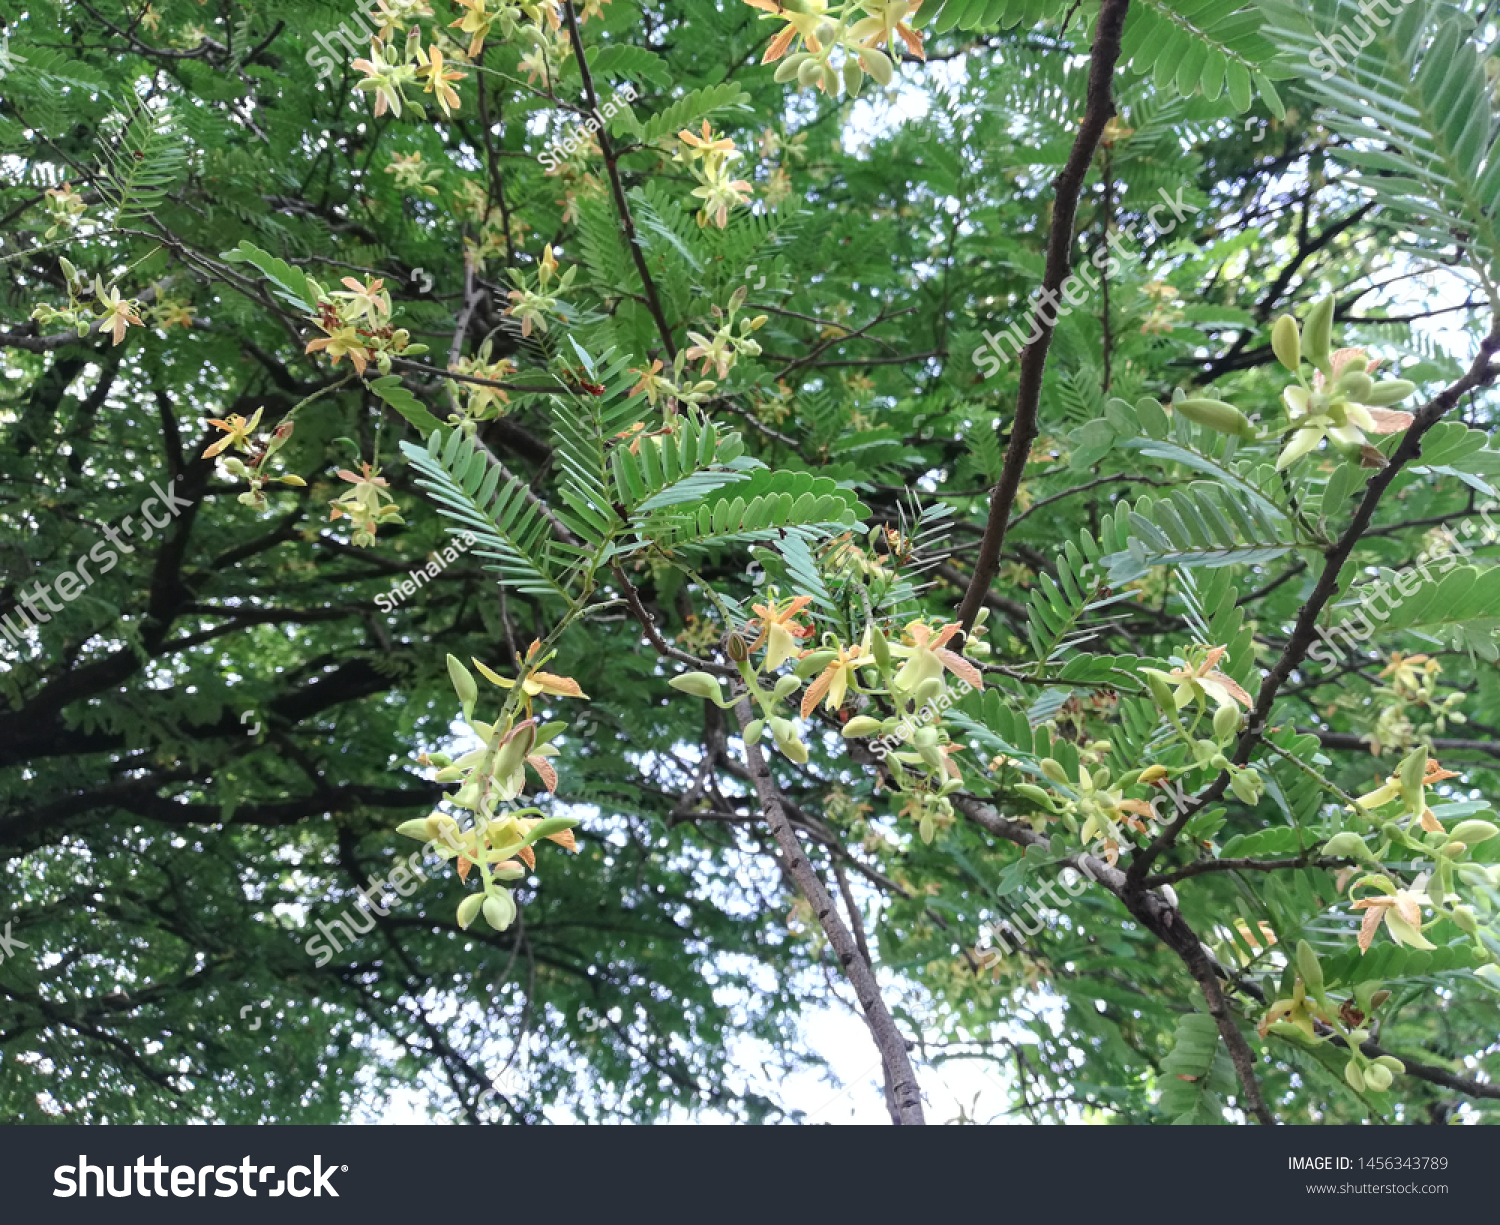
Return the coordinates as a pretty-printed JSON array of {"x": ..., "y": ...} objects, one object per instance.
[{"x": 1068, "y": 186}]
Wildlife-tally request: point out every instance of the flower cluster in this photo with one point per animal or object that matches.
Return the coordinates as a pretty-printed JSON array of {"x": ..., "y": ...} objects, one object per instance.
[
  {"x": 389, "y": 72},
  {"x": 1413, "y": 712},
  {"x": 719, "y": 353},
  {"x": 708, "y": 158},
  {"x": 65, "y": 210},
  {"x": 367, "y": 505},
  {"x": 482, "y": 403},
  {"x": 1201, "y": 706},
  {"x": 498, "y": 839},
  {"x": 1307, "y": 1015},
  {"x": 106, "y": 312},
  {"x": 818, "y": 31},
  {"x": 1343, "y": 402},
  {"x": 909, "y": 675},
  {"x": 240, "y": 435},
  {"x": 532, "y": 306},
  {"x": 355, "y": 322}
]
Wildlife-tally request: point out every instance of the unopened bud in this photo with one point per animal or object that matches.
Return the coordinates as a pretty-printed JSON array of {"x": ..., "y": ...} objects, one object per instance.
[
  {"x": 1216, "y": 415},
  {"x": 1286, "y": 343},
  {"x": 1317, "y": 333}
]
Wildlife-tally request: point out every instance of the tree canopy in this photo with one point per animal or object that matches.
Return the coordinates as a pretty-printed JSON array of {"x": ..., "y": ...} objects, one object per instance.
[{"x": 541, "y": 544}]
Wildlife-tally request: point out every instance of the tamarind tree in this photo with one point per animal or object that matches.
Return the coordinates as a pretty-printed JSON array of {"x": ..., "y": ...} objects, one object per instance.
[{"x": 977, "y": 512}]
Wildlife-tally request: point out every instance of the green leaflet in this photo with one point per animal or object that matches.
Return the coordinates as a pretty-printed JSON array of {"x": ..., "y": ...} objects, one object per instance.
[
  {"x": 1197, "y": 1075},
  {"x": 509, "y": 529},
  {"x": 389, "y": 389},
  {"x": 291, "y": 283}
]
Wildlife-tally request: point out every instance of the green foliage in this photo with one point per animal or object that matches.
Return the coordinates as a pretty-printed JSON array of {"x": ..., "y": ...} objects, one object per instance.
[
  {"x": 1197, "y": 1075},
  {"x": 205, "y": 748}
]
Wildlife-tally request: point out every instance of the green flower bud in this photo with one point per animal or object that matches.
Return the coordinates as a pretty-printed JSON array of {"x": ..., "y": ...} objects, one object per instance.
[
  {"x": 861, "y": 726},
  {"x": 854, "y": 78},
  {"x": 1161, "y": 690},
  {"x": 925, "y": 738},
  {"x": 698, "y": 685},
  {"x": 1037, "y": 796},
  {"x": 1411, "y": 772},
  {"x": 1352, "y": 1074},
  {"x": 1473, "y": 832},
  {"x": 754, "y": 730},
  {"x": 500, "y": 910},
  {"x": 464, "y": 685},
  {"x": 809, "y": 73},
  {"x": 1356, "y": 385},
  {"x": 1216, "y": 415},
  {"x": 1391, "y": 1062},
  {"x": 1226, "y": 722},
  {"x": 1053, "y": 770},
  {"x": 1286, "y": 343},
  {"x": 879, "y": 647},
  {"x": 928, "y": 691},
  {"x": 1389, "y": 391},
  {"x": 877, "y": 64},
  {"x": 1466, "y": 920},
  {"x": 785, "y": 685},
  {"x": 468, "y": 909},
  {"x": 1246, "y": 786},
  {"x": 1377, "y": 1078},
  {"x": 515, "y": 749},
  {"x": 1347, "y": 845},
  {"x": 1317, "y": 334},
  {"x": 415, "y": 828},
  {"x": 814, "y": 663},
  {"x": 1310, "y": 970}
]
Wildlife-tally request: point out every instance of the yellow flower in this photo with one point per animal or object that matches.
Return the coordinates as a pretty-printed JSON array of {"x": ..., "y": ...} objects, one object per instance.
[
  {"x": 437, "y": 80},
  {"x": 707, "y": 144},
  {"x": 369, "y": 299},
  {"x": 1203, "y": 680},
  {"x": 889, "y": 23},
  {"x": 1402, "y": 913},
  {"x": 804, "y": 23},
  {"x": 535, "y": 682},
  {"x": 118, "y": 311},
  {"x": 928, "y": 656},
  {"x": 778, "y": 627},
  {"x": 237, "y": 433},
  {"x": 476, "y": 22},
  {"x": 343, "y": 341},
  {"x": 833, "y": 681}
]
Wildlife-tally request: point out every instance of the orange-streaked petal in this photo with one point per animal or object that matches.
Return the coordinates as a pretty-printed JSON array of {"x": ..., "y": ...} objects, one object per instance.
[
  {"x": 817, "y": 690},
  {"x": 779, "y": 44}
]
